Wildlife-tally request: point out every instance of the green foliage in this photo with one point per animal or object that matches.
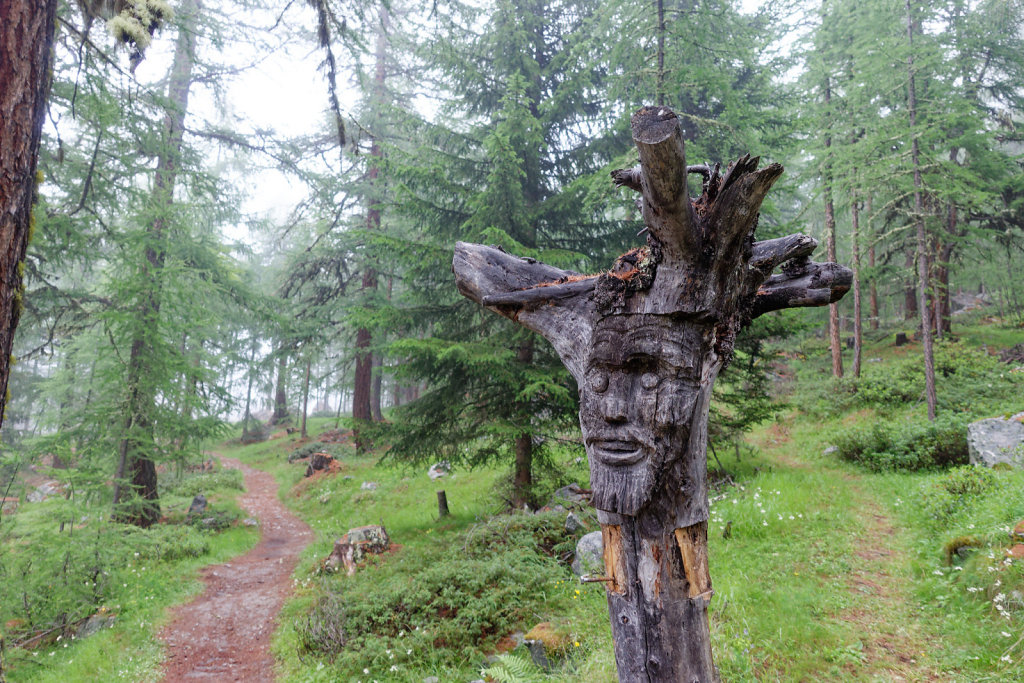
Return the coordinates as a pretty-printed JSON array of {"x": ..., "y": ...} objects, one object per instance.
[
  {"x": 193, "y": 483},
  {"x": 511, "y": 667},
  {"x": 466, "y": 595},
  {"x": 914, "y": 444},
  {"x": 956, "y": 491}
]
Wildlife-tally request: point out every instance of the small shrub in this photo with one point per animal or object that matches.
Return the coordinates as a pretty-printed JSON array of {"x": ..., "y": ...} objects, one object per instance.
[
  {"x": 957, "y": 490},
  {"x": 907, "y": 446},
  {"x": 311, "y": 448}
]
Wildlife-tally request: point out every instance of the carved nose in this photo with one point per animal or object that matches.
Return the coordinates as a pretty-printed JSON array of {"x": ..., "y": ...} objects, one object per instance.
[{"x": 614, "y": 409}]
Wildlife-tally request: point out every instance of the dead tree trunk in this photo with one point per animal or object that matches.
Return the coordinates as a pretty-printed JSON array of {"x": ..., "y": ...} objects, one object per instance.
[{"x": 645, "y": 342}]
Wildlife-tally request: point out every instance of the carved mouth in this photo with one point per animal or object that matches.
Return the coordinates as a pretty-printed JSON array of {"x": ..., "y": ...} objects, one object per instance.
[{"x": 617, "y": 452}]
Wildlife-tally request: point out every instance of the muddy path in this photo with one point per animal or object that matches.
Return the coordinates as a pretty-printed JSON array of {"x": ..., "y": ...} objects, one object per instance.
[{"x": 224, "y": 633}]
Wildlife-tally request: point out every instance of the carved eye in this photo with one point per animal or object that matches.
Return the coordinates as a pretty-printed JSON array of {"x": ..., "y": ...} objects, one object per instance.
[
  {"x": 649, "y": 380},
  {"x": 599, "y": 381}
]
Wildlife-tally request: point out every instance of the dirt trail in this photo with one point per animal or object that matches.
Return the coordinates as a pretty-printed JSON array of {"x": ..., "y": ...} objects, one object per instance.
[
  {"x": 224, "y": 634},
  {"x": 894, "y": 644}
]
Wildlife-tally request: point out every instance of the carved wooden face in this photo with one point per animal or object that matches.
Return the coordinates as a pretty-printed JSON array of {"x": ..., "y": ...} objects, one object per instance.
[{"x": 636, "y": 403}]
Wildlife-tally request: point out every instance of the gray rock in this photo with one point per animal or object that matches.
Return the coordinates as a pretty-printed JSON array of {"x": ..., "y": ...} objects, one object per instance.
[
  {"x": 47, "y": 489},
  {"x": 573, "y": 523},
  {"x": 369, "y": 486},
  {"x": 351, "y": 548},
  {"x": 830, "y": 450},
  {"x": 431, "y": 679},
  {"x": 439, "y": 469},
  {"x": 997, "y": 440},
  {"x": 198, "y": 505},
  {"x": 249, "y": 521},
  {"x": 572, "y": 494},
  {"x": 538, "y": 654},
  {"x": 94, "y": 624},
  {"x": 589, "y": 554}
]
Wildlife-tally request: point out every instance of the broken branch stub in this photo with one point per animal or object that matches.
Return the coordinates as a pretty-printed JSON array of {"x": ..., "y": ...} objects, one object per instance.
[{"x": 645, "y": 341}]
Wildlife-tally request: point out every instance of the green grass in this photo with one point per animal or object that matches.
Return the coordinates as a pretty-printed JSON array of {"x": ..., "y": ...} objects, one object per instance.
[
  {"x": 832, "y": 571},
  {"x": 144, "y": 575}
]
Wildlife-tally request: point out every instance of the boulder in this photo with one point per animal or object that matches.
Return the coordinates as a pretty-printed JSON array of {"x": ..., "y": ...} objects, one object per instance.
[
  {"x": 319, "y": 462},
  {"x": 197, "y": 507},
  {"x": 589, "y": 554},
  {"x": 439, "y": 469},
  {"x": 572, "y": 494},
  {"x": 573, "y": 523},
  {"x": 94, "y": 624},
  {"x": 547, "y": 644},
  {"x": 997, "y": 440},
  {"x": 48, "y": 489},
  {"x": 351, "y": 548}
]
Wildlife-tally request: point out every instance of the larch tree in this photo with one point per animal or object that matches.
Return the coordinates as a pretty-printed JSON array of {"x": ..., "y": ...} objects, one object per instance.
[{"x": 26, "y": 43}]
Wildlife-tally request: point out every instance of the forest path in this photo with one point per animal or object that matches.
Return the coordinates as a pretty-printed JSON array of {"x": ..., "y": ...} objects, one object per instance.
[
  {"x": 224, "y": 633},
  {"x": 895, "y": 642},
  {"x": 888, "y": 637}
]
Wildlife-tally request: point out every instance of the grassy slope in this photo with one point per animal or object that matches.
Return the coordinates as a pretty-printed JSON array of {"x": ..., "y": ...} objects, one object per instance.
[
  {"x": 141, "y": 590},
  {"x": 831, "y": 572}
]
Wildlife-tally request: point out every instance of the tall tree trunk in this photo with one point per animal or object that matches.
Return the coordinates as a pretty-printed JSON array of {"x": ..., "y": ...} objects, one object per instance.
[
  {"x": 135, "y": 462},
  {"x": 909, "y": 287},
  {"x": 922, "y": 242},
  {"x": 26, "y": 46},
  {"x": 375, "y": 389},
  {"x": 857, "y": 329},
  {"x": 659, "y": 87},
  {"x": 362, "y": 408},
  {"x": 246, "y": 434},
  {"x": 835, "y": 343},
  {"x": 872, "y": 285},
  {"x": 305, "y": 401},
  {"x": 944, "y": 313},
  {"x": 522, "y": 479},
  {"x": 280, "y": 391}
]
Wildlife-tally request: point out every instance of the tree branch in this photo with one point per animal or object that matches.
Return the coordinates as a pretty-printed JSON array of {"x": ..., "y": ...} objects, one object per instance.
[{"x": 806, "y": 284}]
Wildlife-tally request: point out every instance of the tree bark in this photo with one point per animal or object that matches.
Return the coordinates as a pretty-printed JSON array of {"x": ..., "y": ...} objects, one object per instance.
[
  {"x": 645, "y": 342},
  {"x": 834, "y": 342},
  {"x": 26, "y": 45},
  {"x": 363, "y": 390},
  {"x": 135, "y": 461},
  {"x": 522, "y": 479},
  {"x": 246, "y": 434},
  {"x": 280, "y": 391},
  {"x": 857, "y": 330},
  {"x": 375, "y": 388},
  {"x": 305, "y": 401},
  {"x": 872, "y": 284},
  {"x": 922, "y": 242}
]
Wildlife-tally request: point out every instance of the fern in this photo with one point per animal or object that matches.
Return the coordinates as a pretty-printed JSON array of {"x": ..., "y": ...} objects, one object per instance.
[{"x": 512, "y": 668}]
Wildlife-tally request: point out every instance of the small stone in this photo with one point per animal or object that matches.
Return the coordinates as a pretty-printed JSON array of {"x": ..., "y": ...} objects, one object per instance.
[
  {"x": 589, "y": 554},
  {"x": 249, "y": 521},
  {"x": 369, "y": 486},
  {"x": 351, "y": 548},
  {"x": 573, "y": 494},
  {"x": 95, "y": 623},
  {"x": 439, "y": 469},
  {"x": 324, "y": 499},
  {"x": 573, "y": 523},
  {"x": 431, "y": 679},
  {"x": 830, "y": 450}
]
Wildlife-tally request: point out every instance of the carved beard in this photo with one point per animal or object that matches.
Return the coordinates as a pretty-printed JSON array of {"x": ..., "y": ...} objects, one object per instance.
[{"x": 624, "y": 481}]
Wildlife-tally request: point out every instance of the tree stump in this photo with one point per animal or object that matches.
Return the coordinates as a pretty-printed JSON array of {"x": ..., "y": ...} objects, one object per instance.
[{"x": 645, "y": 342}]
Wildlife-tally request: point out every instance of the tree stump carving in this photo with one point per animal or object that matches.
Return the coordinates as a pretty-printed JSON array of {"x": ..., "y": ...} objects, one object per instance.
[{"x": 645, "y": 342}]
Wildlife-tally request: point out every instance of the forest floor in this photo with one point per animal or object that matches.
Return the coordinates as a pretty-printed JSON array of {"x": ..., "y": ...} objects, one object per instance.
[{"x": 224, "y": 633}]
